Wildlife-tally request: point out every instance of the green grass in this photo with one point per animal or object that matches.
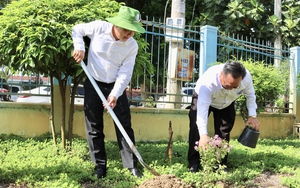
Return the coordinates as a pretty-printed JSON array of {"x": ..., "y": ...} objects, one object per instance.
[{"x": 36, "y": 162}]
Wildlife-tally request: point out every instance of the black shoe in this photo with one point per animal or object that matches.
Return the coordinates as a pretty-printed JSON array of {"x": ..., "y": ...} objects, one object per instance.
[
  {"x": 100, "y": 172},
  {"x": 135, "y": 172},
  {"x": 194, "y": 168},
  {"x": 224, "y": 168}
]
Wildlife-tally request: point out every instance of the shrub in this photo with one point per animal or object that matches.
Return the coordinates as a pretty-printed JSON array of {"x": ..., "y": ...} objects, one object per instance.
[{"x": 269, "y": 84}]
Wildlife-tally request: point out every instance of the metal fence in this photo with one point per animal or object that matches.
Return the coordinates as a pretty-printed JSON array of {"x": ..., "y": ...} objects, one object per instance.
[
  {"x": 231, "y": 46},
  {"x": 151, "y": 90},
  {"x": 234, "y": 46},
  {"x": 154, "y": 88}
]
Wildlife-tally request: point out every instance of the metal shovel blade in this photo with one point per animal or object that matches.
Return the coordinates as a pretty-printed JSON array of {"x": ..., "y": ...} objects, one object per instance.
[{"x": 116, "y": 120}]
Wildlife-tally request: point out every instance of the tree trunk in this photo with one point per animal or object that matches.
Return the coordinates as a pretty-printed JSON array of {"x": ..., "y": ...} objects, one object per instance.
[
  {"x": 62, "y": 88},
  {"x": 52, "y": 114},
  {"x": 76, "y": 81}
]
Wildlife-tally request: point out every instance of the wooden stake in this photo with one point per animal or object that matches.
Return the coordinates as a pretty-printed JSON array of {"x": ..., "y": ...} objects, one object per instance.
[{"x": 169, "y": 147}]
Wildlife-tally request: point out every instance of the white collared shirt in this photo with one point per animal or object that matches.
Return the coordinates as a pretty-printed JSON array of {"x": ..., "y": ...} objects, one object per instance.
[
  {"x": 211, "y": 93},
  {"x": 109, "y": 60}
]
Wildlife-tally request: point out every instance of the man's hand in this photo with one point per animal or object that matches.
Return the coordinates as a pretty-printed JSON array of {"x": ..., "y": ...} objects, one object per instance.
[
  {"x": 78, "y": 55},
  {"x": 253, "y": 122},
  {"x": 203, "y": 141},
  {"x": 112, "y": 101}
]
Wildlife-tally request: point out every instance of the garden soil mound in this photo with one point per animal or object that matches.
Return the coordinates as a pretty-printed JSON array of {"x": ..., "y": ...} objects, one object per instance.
[{"x": 164, "y": 181}]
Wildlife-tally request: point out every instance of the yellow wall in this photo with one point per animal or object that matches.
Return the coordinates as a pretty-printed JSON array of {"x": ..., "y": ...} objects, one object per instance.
[
  {"x": 24, "y": 120},
  {"x": 31, "y": 120}
]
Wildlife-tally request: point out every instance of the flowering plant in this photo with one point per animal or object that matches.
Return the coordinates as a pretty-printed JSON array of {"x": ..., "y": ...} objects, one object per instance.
[{"x": 216, "y": 149}]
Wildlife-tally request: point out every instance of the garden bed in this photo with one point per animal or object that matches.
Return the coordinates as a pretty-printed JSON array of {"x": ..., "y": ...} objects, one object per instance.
[{"x": 36, "y": 162}]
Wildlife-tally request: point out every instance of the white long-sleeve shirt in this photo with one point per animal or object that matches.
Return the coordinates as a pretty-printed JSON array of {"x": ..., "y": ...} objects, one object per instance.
[
  {"x": 211, "y": 93},
  {"x": 109, "y": 60}
]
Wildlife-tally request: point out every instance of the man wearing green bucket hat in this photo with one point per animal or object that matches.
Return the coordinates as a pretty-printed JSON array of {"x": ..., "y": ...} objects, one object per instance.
[{"x": 111, "y": 59}]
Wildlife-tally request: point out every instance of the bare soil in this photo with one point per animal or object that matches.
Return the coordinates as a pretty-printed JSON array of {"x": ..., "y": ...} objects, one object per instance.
[
  {"x": 12, "y": 185},
  {"x": 265, "y": 180},
  {"x": 164, "y": 181}
]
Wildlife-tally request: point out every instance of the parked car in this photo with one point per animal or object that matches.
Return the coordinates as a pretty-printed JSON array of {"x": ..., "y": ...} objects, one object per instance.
[
  {"x": 36, "y": 95},
  {"x": 4, "y": 90},
  {"x": 42, "y": 95},
  {"x": 134, "y": 96},
  {"x": 79, "y": 99},
  {"x": 187, "y": 97},
  {"x": 135, "y": 101},
  {"x": 15, "y": 89},
  {"x": 4, "y": 94},
  {"x": 187, "y": 93},
  {"x": 190, "y": 84}
]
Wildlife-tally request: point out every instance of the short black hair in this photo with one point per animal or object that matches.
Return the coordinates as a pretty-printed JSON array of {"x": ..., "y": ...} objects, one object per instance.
[{"x": 235, "y": 68}]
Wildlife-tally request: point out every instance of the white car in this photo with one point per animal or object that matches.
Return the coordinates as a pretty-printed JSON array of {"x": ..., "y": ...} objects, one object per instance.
[
  {"x": 187, "y": 93},
  {"x": 42, "y": 95},
  {"x": 37, "y": 95},
  {"x": 15, "y": 89},
  {"x": 190, "y": 84}
]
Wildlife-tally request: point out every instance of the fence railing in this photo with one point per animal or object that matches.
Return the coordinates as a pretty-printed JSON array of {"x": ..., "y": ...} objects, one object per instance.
[
  {"x": 151, "y": 90},
  {"x": 239, "y": 47}
]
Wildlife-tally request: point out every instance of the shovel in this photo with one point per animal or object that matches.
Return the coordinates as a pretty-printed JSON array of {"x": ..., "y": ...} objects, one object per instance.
[{"x": 119, "y": 125}]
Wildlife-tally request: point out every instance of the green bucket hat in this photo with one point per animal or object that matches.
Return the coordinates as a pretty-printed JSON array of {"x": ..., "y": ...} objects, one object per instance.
[{"x": 128, "y": 18}]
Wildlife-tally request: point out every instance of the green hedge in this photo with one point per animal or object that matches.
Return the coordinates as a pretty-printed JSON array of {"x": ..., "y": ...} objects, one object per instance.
[{"x": 270, "y": 86}]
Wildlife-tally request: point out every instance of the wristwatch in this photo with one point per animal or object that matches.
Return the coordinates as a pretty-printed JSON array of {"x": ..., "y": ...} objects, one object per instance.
[{"x": 253, "y": 117}]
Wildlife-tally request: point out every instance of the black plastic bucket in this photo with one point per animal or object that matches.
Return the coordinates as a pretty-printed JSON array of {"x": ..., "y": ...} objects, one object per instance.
[{"x": 249, "y": 137}]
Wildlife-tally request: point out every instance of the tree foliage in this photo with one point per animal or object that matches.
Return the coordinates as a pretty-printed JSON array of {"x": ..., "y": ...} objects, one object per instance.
[
  {"x": 35, "y": 35},
  {"x": 250, "y": 18}
]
